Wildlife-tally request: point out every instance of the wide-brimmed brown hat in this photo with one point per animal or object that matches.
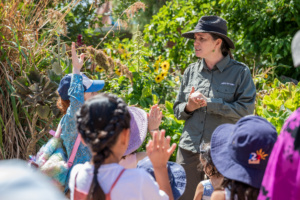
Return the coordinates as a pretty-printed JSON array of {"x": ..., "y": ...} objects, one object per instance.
[{"x": 211, "y": 24}]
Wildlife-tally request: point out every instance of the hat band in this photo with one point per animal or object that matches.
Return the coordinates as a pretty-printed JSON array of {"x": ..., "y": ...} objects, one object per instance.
[{"x": 206, "y": 27}]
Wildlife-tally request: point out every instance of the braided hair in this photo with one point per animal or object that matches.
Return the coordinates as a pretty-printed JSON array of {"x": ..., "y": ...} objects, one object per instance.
[{"x": 100, "y": 121}]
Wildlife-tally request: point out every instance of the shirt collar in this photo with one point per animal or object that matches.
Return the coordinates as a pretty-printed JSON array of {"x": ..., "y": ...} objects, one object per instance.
[
  {"x": 220, "y": 65},
  {"x": 223, "y": 63}
]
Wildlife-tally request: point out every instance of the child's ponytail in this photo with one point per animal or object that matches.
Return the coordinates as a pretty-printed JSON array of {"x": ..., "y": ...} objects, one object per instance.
[{"x": 100, "y": 121}]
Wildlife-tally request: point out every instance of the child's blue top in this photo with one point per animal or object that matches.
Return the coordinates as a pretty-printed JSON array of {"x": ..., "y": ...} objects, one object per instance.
[
  {"x": 208, "y": 189},
  {"x": 68, "y": 122}
]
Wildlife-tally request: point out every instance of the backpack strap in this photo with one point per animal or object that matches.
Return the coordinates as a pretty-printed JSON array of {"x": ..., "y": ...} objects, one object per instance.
[
  {"x": 75, "y": 146},
  {"x": 74, "y": 151},
  {"x": 107, "y": 196},
  {"x": 78, "y": 195},
  {"x": 58, "y": 131}
]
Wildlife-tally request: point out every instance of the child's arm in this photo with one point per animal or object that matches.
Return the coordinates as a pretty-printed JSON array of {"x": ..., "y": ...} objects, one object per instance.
[
  {"x": 159, "y": 156},
  {"x": 76, "y": 91},
  {"x": 199, "y": 192},
  {"x": 154, "y": 119}
]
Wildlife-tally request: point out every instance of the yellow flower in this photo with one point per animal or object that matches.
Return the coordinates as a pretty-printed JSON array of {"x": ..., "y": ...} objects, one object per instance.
[
  {"x": 158, "y": 79},
  {"x": 118, "y": 71},
  {"x": 165, "y": 65},
  {"x": 99, "y": 69},
  {"x": 163, "y": 74},
  {"x": 266, "y": 75},
  {"x": 177, "y": 78}
]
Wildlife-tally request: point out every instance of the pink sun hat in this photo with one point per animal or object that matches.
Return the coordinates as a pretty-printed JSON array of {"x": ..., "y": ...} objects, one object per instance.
[{"x": 138, "y": 129}]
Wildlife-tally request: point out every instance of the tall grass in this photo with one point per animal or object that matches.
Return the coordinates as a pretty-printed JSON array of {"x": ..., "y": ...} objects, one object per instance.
[{"x": 27, "y": 30}]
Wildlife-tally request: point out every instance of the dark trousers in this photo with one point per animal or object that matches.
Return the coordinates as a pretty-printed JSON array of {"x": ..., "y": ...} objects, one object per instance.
[{"x": 189, "y": 162}]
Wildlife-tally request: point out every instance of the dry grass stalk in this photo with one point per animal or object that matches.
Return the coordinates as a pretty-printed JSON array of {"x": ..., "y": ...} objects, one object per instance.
[
  {"x": 134, "y": 8},
  {"x": 21, "y": 24}
]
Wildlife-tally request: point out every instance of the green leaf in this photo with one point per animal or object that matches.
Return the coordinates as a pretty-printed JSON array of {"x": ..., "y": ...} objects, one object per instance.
[
  {"x": 43, "y": 111},
  {"x": 146, "y": 92},
  {"x": 169, "y": 107},
  {"x": 57, "y": 68}
]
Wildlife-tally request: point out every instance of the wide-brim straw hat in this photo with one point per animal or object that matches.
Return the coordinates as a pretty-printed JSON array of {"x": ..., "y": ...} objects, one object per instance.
[
  {"x": 211, "y": 24},
  {"x": 138, "y": 129}
]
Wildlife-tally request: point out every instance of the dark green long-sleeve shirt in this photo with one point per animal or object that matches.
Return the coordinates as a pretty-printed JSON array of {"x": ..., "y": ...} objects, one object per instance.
[{"x": 230, "y": 93}]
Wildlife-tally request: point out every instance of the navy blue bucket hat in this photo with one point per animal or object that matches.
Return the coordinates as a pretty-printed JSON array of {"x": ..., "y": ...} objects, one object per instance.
[
  {"x": 88, "y": 85},
  {"x": 211, "y": 24},
  {"x": 241, "y": 151},
  {"x": 176, "y": 174}
]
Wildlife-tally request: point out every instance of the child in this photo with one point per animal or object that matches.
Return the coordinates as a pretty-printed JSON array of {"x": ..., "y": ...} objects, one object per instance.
[
  {"x": 205, "y": 188},
  {"x": 240, "y": 153},
  {"x": 107, "y": 135},
  {"x": 73, "y": 90}
]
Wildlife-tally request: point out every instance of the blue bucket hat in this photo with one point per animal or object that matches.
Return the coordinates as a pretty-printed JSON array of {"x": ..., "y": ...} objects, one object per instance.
[
  {"x": 176, "y": 174},
  {"x": 241, "y": 151},
  {"x": 88, "y": 85}
]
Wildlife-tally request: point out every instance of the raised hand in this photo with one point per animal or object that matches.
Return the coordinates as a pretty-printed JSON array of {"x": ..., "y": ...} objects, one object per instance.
[
  {"x": 154, "y": 118},
  {"x": 77, "y": 63},
  {"x": 157, "y": 150}
]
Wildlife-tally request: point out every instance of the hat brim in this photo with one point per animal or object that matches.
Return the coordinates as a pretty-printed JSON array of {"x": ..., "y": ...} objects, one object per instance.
[
  {"x": 96, "y": 86},
  {"x": 296, "y": 49},
  {"x": 225, "y": 164},
  {"x": 191, "y": 35},
  {"x": 176, "y": 172},
  {"x": 138, "y": 129}
]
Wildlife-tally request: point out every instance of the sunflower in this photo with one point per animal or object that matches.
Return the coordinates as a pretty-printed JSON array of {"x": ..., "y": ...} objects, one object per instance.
[
  {"x": 266, "y": 76},
  {"x": 99, "y": 69},
  {"x": 165, "y": 65},
  {"x": 163, "y": 74},
  {"x": 118, "y": 71},
  {"x": 158, "y": 79},
  {"x": 177, "y": 78}
]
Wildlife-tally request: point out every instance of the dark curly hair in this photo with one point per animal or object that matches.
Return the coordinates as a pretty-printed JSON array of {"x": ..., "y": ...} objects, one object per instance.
[
  {"x": 205, "y": 155},
  {"x": 241, "y": 190},
  {"x": 100, "y": 121}
]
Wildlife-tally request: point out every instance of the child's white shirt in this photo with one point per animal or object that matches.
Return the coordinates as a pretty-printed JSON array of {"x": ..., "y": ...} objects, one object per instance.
[{"x": 133, "y": 184}]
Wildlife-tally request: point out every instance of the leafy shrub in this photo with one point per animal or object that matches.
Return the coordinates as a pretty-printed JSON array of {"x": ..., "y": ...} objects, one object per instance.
[{"x": 276, "y": 101}]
